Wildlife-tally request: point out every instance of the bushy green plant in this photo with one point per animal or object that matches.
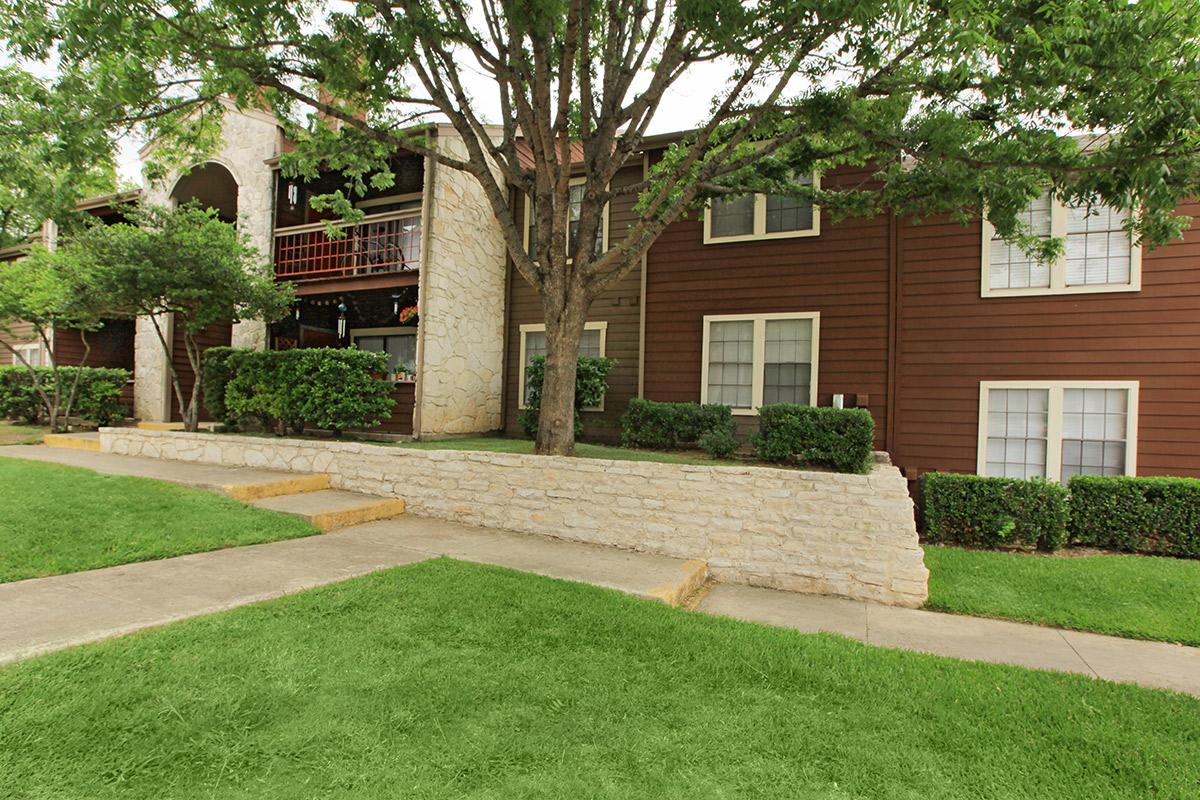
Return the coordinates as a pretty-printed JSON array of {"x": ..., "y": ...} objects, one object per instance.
[
  {"x": 18, "y": 399},
  {"x": 719, "y": 443},
  {"x": 331, "y": 389},
  {"x": 215, "y": 372},
  {"x": 994, "y": 512},
  {"x": 97, "y": 396},
  {"x": 591, "y": 385},
  {"x": 1145, "y": 515},
  {"x": 839, "y": 438},
  {"x": 669, "y": 426}
]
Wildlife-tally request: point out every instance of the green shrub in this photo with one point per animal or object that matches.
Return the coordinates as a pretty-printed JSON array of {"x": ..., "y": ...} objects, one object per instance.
[
  {"x": 18, "y": 399},
  {"x": 719, "y": 443},
  {"x": 215, "y": 372},
  {"x": 669, "y": 426},
  {"x": 591, "y": 385},
  {"x": 839, "y": 438},
  {"x": 1145, "y": 515},
  {"x": 97, "y": 398},
  {"x": 994, "y": 512},
  {"x": 331, "y": 389}
]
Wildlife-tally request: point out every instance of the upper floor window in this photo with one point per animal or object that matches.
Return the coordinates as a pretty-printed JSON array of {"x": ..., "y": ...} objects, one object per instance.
[
  {"x": 1099, "y": 255},
  {"x": 34, "y": 355},
  {"x": 761, "y": 216},
  {"x": 758, "y": 359},
  {"x": 577, "y": 188},
  {"x": 1057, "y": 429}
]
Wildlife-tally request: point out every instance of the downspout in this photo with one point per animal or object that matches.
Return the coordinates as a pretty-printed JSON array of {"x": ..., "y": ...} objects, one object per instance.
[
  {"x": 894, "y": 301},
  {"x": 641, "y": 386},
  {"x": 422, "y": 282},
  {"x": 504, "y": 360}
]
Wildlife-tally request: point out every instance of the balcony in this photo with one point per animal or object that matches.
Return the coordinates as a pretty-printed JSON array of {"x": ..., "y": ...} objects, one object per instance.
[{"x": 379, "y": 244}]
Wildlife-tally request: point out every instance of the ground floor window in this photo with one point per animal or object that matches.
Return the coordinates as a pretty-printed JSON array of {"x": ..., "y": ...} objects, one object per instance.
[
  {"x": 752, "y": 360},
  {"x": 1057, "y": 429},
  {"x": 32, "y": 353},
  {"x": 399, "y": 343},
  {"x": 533, "y": 344}
]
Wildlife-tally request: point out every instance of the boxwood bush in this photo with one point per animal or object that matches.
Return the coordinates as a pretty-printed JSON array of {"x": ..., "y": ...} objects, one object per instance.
[
  {"x": 97, "y": 398},
  {"x": 326, "y": 388},
  {"x": 669, "y": 426},
  {"x": 215, "y": 372},
  {"x": 839, "y": 438},
  {"x": 994, "y": 512},
  {"x": 1145, "y": 515}
]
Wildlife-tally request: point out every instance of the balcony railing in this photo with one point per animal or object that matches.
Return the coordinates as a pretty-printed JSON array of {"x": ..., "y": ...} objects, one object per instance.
[{"x": 380, "y": 243}]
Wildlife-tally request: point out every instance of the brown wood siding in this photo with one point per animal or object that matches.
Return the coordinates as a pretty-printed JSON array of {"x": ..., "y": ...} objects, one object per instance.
[
  {"x": 619, "y": 307},
  {"x": 404, "y": 394},
  {"x": 219, "y": 334},
  {"x": 842, "y": 273},
  {"x": 950, "y": 339},
  {"x": 112, "y": 345}
]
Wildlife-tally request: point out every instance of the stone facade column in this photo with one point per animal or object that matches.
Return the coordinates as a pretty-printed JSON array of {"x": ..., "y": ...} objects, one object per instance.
[
  {"x": 151, "y": 373},
  {"x": 462, "y": 305}
]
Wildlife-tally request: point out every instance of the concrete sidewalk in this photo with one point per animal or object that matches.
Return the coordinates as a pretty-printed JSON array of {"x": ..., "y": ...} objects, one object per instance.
[{"x": 51, "y": 613}]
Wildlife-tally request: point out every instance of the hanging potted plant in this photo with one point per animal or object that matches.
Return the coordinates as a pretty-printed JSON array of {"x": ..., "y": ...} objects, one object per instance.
[{"x": 407, "y": 315}]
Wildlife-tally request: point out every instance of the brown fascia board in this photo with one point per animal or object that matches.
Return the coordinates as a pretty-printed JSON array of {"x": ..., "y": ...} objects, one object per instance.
[
  {"x": 286, "y": 145},
  {"x": 115, "y": 199}
]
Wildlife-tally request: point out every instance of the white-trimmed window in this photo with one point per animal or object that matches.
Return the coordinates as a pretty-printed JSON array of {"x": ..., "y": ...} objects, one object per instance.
[
  {"x": 1099, "y": 254},
  {"x": 752, "y": 360},
  {"x": 1057, "y": 429},
  {"x": 32, "y": 353},
  {"x": 399, "y": 343},
  {"x": 753, "y": 217},
  {"x": 533, "y": 344},
  {"x": 577, "y": 188}
]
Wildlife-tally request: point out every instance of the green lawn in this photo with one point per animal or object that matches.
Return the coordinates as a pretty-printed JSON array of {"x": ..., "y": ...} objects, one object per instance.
[
  {"x": 451, "y": 680},
  {"x": 1137, "y": 596},
  {"x": 20, "y": 434},
  {"x": 56, "y": 519},
  {"x": 500, "y": 444}
]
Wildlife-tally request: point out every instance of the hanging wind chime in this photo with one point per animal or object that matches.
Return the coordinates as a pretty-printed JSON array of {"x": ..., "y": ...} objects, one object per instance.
[{"x": 341, "y": 323}]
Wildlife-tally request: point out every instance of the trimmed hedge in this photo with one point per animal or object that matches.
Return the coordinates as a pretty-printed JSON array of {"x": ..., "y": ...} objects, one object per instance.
[
  {"x": 97, "y": 399},
  {"x": 994, "y": 512},
  {"x": 327, "y": 388},
  {"x": 1145, "y": 515},
  {"x": 669, "y": 426},
  {"x": 842, "y": 439},
  {"x": 591, "y": 385}
]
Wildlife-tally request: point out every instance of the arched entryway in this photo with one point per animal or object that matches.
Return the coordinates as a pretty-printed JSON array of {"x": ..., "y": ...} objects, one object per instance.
[{"x": 213, "y": 186}]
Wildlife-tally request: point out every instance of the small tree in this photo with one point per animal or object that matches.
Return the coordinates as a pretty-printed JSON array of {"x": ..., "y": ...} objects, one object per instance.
[
  {"x": 187, "y": 263},
  {"x": 44, "y": 292}
]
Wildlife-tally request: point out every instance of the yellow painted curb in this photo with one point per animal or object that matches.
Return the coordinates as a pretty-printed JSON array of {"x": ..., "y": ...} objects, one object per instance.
[
  {"x": 693, "y": 574},
  {"x": 247, "y": 492},
  {"x": 381, "y": 509},
  {"x": 160, "y": 426},
  {"x": 68, "y": 442}
]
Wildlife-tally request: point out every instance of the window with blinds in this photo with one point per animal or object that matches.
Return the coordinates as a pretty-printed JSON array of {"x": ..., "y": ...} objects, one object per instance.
[
  {"x": 1057, "y": 429},
  {"x": 1098, "y": 256},
  {"x": 761, "y": 216},
  {"x": 754, "y": 360}
]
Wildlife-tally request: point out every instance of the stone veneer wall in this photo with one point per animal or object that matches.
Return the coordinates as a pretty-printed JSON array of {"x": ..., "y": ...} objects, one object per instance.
[
  {"x": 847, "y": 535},
  {"x": 462, "y": 304},
  {"x": 249, "y": 139}
]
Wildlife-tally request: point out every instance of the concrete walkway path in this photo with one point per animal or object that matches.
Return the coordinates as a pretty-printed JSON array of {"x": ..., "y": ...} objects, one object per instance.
[{"x": 47, "y": 614}]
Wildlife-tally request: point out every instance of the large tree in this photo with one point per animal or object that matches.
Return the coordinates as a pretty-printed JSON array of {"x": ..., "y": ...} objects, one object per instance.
[
  {"x": 53, "y": 153},
  {"x": 183, "y": 265},
  {"x": 966, "y": 107}
]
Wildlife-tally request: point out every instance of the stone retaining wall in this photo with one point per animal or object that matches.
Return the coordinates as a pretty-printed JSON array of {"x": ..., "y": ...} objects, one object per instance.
[{"x": 847, "y": 535}]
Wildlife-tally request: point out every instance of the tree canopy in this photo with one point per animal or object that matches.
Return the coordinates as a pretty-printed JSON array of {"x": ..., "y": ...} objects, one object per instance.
[
  {"x": 184, "y": 263},
  {"x": 965, "y": 107}
]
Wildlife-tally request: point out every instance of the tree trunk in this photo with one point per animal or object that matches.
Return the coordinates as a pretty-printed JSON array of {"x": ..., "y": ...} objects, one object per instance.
[
  {"x": 166, "y": 346},
  {"x": 191, "y": 413},
  {"x": 556, "y": 423}
]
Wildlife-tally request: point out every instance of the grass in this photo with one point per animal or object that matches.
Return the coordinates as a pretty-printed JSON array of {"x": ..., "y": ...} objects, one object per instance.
[
  {"x": 57, "y": 519},
  {"x": 20, "y": 434},
  {"x": 500, "y": 444},
  {"x": 451, "y": 680},
  {"x": 1142, "y": 597}
]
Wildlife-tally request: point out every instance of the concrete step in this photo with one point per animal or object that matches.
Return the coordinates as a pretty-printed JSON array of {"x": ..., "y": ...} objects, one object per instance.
[
  {"x": 279, "y": 487},
  {"x": 329, "y": 509},
  {"x": 73, "y": 441}
]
